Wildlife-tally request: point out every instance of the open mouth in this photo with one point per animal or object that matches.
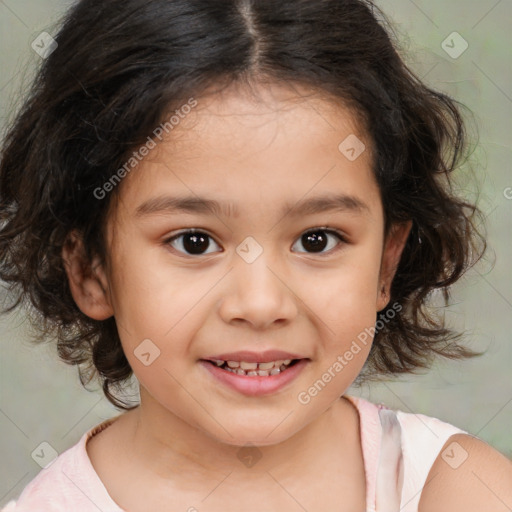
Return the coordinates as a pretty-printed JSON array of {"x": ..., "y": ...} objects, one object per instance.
[{"x": 247, "y": 369}]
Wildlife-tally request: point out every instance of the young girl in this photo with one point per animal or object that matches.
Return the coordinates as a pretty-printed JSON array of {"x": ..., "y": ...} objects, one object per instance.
[{"x": 247, "y": 204}]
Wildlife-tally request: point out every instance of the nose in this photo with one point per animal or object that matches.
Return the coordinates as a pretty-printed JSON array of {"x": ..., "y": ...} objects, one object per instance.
[{"x": 258, "y": 295}]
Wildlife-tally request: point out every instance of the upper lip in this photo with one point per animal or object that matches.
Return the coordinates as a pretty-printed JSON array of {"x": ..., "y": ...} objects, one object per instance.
[{"x": 255, "y": 357}]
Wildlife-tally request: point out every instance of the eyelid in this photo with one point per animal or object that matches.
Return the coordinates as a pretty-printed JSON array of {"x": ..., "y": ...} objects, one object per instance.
[{"x": 327, "y": 229}]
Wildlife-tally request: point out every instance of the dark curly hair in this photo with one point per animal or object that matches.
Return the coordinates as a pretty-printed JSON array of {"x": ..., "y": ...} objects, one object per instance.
[{"x": 121, "y": 65}]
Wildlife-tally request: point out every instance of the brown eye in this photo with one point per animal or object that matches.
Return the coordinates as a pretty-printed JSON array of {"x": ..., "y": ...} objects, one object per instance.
[
  {"x": 194, "y": 243},
  {"x": 316, "y": 241}
]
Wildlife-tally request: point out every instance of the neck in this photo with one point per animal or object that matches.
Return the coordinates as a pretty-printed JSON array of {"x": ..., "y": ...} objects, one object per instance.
[{"x": 169, "y": 448}]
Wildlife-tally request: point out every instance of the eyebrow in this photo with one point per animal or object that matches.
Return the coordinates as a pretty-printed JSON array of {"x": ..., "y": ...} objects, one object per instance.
[{"x": 204, "y": 206}]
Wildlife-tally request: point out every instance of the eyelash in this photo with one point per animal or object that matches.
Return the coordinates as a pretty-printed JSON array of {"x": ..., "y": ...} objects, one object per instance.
[{"x": 326, "y": 230}]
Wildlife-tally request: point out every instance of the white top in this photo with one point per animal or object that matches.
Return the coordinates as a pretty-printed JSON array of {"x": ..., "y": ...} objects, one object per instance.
[{"x": 398, "y": 451}]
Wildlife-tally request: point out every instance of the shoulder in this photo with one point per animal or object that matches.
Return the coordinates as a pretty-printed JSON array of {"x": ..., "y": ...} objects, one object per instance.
[
  {"x": 41, "y": 492},
  {"x": 67, "y": 483},
  {"x": 468, "y": 475}
]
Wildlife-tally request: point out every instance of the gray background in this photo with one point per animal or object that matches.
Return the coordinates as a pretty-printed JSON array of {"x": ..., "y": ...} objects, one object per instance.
[{"x": 41, "y": 398}]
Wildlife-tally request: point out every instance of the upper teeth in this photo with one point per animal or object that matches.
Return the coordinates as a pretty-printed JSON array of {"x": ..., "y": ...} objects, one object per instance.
[{"x": 244, "y": 365}]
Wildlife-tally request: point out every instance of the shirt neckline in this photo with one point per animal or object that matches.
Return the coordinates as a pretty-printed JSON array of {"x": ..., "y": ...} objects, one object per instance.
[
  {"x": 370, "y": 431},
  {"x": 369, "y": 435},
  {"x": 96, "y": 485}
]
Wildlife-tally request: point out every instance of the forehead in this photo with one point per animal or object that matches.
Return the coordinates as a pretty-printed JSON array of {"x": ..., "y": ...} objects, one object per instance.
[
  {"x": 264, "y": 146},
  {"x": 271, "y": 112}
]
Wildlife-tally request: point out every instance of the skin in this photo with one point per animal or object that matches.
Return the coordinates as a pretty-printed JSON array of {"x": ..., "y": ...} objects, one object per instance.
[
  {"x": 258, "y": 154},
  {"x": 482, "y": 482}
]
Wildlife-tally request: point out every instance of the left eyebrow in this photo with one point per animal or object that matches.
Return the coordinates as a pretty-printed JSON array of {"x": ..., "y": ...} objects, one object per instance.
[{"x": 204, "y": 206}]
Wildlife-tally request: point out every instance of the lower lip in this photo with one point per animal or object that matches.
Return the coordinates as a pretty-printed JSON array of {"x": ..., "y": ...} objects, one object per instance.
[{"x": 256, "y": 385}]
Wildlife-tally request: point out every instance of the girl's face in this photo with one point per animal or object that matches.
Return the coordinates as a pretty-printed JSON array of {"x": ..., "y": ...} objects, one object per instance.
[{"x": 252, "y": 178}]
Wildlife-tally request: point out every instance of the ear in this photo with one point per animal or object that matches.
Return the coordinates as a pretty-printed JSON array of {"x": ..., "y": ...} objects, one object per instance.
[
  {"x": 87, "y": 280},
  {"x": 393, "y": 247}
]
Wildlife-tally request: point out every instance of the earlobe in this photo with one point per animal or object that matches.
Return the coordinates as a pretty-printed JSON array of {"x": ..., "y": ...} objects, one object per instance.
[
  {"x": 393, "y": 248},
  {"x": 87, "y": 280}
]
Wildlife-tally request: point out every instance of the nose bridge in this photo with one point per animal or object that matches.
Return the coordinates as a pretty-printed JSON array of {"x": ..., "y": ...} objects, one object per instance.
[
  {"x": 253, "y": 269},
  {"x": 257, "y": 293},
  {"x": 257, "y": 273}
]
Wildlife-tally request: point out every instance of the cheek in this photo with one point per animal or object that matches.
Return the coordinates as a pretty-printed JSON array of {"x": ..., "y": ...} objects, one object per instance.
[
  {"x": 345, "y": 299},
  {"x": 158, "y": 302},
  {"x": 144, "y": 289},
  {"x": 344, "y": 302}
]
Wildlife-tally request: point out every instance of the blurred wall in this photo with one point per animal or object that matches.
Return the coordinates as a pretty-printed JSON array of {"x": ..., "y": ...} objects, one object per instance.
[{"x": 41, "y": 399}]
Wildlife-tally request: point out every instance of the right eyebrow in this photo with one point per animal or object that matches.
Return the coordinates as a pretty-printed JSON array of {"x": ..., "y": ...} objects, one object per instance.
[{"x": 188, "y": 204}]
